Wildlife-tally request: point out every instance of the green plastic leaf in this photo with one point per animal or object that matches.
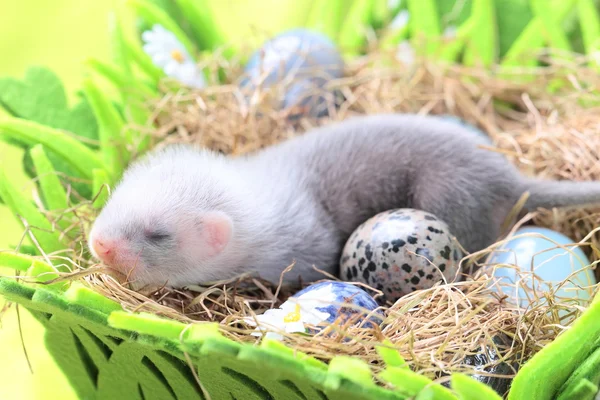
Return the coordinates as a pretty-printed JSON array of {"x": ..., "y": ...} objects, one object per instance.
[
  {"x": 79, "y": 156},
  {"x": 552, "y": 29},
  {"x": 113, "y": 136},
  {"x": 545, "y": 373},
  {"x": 582, "y": 390},
  {"x": 482, "y": 44},
  {"x": 134, "y": 96},
  {"x": 41, "y": 98},
  {"x": 353, "y": 369},
  {"x": 120, "y": 79},
  {"x": 145, "y": 323},
  {"x": 452, "y": 50},
  {"x": 326, "y": 17},
  {"x": 118, "y": 46},
  {"x": 412, "y": 383},
  {"x": 588, "y": 370},
  {"x": 424, "y": 25},
  {"x": 86, "y": 297},
  {"x": 470, "y": 389},
  {"x": 353, "y": 31},
  {"x": 154, "y": 15},
  {"x": 206, "y": 31},
  {"x": 380, "y": 13},
  {"x": 21, "y": 206},
  {"x": 51, "y": 187},
  {"x": 143, "y": 60},
  {"x": 101, "y": 184},
  {"x": 390, "y": 355},
  {"x": 276, "y": 346},
  {"x": 532, "y": 38},
  {"x": 589, "y": 22},
  {"x": 20, "y": 262},
  {"x": 393, "y": 36}
]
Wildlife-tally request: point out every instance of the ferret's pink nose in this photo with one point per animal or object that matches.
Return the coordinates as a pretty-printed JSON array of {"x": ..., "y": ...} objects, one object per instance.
[{"x": 105, "y": 250}]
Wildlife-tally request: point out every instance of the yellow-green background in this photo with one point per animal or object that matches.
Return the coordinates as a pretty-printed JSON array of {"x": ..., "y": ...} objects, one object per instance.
[{"x": 61, "y": 34}]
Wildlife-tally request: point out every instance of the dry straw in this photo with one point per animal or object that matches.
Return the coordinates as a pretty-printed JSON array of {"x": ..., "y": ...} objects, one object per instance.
[{"x": 549, "y": 133}]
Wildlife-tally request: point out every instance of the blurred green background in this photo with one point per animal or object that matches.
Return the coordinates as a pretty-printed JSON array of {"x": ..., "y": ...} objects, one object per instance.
[{"x": 61, "y": 34}]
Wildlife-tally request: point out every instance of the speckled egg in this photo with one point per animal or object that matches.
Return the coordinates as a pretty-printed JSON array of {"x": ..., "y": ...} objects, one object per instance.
[
  {"x": 305, "y": 59},
  {"x": 331, "y": 296},
  {"x": 400, "y": 251}
]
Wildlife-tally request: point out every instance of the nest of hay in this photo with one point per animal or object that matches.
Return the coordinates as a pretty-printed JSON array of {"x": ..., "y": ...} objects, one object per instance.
[{"x": 549, "y": 133}]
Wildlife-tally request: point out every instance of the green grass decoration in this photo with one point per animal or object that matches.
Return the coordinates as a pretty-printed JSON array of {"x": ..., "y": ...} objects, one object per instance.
[
  {"x": 589, "y": 22},
  {"x": 481, "y": 48},
  {"x": 23, "y": 207},
  {"x": 543, "y": 375},
  {"x": 113, "y": 137},
  {"x": 588, "y": 371},
  {"x": 352, "y": 31},
  {"x": 467, "y": 390},
  {"x": 452, "y": 51},
  {"x": 326, "y": 16},
  {"x": 107, "y": 352},
  {"x": 412, "y": 384},
  {"x": 554, "y": 34},
  {"x": 203, "y": 25},
  {"x": 41, "y": 97},
  {"x": 381, "y": 14},
  {"x": 80, "y": 157},
  {"x": 424, "y": 25},
  {"x": 155, "y": 15},
  {"x": 101, "y": 183},
  {"x": 53, "y": 192},
  {"x": 532, "y": 38},
  {"x": 118, "y": 48}
]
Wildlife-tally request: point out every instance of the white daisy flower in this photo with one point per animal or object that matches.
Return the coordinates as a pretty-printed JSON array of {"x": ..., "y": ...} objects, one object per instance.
[
  {"x": 293, "y": 314},
  {"x": 450, "y": 32},
  {"x": 394, "y": 3},
  {"x": 400, "y": 20},
  {"x": 169, "y": 54},
  {"x": 405, "y": 53}
]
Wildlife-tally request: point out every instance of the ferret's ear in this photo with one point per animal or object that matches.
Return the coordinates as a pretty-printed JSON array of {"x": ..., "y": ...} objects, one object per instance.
[
  {"x": 216, "y": 229},
  {"x": 206, "y": 236}
]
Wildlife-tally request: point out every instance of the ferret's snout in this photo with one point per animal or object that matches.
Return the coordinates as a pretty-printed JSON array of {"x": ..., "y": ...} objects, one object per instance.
[{"x": 104, "y": 249}]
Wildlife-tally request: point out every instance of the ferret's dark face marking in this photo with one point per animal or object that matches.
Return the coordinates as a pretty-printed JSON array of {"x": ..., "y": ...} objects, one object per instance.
[{"x": 158, "y": 228}]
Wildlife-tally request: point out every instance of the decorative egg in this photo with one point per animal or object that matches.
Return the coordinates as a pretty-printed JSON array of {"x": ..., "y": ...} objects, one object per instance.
[
  {"x": 467, "y": 125},
  {"x": 339, "y": 300},
  {"x": 400, "y": 251},
  {"x": 481, "y": 363},
  {"x": 305, "y": 59},
  {"x": 537, "y": 263}
]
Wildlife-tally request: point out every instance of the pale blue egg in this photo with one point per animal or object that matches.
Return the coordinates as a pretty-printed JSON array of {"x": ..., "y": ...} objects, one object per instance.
[
  {"x": 550, "y": 264},
  {"x": 358, "y": 301},
  {"x": 305, "y": 59},
  {"x": 465, "y": 124}
]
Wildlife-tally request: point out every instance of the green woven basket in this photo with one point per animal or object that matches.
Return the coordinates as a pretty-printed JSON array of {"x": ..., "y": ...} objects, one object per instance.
[{"x": 108, "y": 353}]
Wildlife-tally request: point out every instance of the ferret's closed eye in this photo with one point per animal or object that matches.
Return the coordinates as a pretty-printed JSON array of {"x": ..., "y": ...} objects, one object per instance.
[{"x": 157, "y": 236}]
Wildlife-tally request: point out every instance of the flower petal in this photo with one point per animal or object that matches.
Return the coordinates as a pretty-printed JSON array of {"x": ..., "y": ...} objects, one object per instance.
[
  {"x": 274, "y": 336},
  {"x": 292, "y": 327}
]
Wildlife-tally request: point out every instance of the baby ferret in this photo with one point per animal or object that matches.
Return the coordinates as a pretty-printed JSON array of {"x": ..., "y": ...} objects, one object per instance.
[{"x": 184, "y": 216}]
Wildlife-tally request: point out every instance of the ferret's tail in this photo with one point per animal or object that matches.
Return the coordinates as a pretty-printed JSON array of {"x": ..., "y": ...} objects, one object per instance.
[{"x": 549, "y": 194}]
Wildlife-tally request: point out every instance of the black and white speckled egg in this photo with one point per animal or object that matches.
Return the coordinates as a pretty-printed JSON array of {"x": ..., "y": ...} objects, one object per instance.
[{"x": 400, "y": 251}]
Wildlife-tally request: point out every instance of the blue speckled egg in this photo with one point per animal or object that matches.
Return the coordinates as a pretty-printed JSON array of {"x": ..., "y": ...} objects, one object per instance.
[
  {"x": 400, "y": 251},
  {"x": 551, "y": 265},
  {"x": 305, "y": 59},
  {"x": 330, "y": 297}
]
